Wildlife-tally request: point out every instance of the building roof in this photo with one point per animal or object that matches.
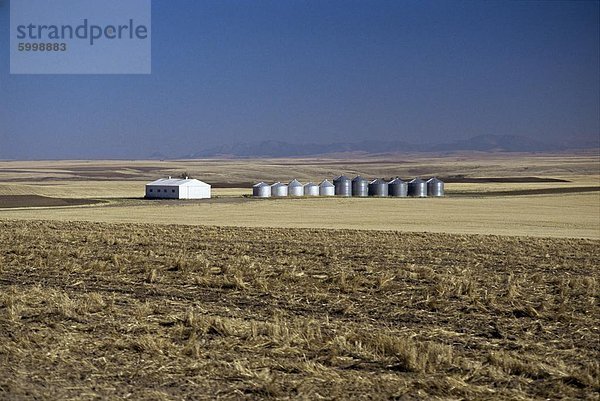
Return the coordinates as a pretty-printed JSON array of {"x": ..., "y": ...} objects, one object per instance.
[
  {"x": 178, "y": 182},
  {"x": 396, "y": 181}
]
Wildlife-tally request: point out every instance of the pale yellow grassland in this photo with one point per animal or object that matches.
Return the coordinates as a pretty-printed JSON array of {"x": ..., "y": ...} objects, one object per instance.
[
  {"x": 120, "y": 182},
  {"x": 135, "y": 189},
  {"x": 582, "y": 168},
  {"x": 568, "y": 215}
]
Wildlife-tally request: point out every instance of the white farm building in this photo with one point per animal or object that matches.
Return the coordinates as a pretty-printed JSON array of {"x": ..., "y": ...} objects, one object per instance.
[{"x": 177, "y": 188}]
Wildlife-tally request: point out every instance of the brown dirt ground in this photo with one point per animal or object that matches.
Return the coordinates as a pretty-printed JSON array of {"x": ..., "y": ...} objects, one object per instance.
[
  {"x": 104, "y": 311},
  {"x": 14, "y": 201}
]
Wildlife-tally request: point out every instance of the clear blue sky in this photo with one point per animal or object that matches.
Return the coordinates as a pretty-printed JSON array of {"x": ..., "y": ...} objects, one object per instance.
[{"x": 320, "y": 71}]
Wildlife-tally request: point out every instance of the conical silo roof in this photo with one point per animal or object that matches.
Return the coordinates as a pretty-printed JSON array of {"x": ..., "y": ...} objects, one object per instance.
[
  {"x": 261, "y": 190},
  {"x": 295, "y": 183},
  {"x": 378, "y": 187},
  {"x": 435, "y": 187},
  {"x": 343, "y": 186},
  {"x": 326, "y": 183},
  {"x": 279, "y": 190},
  {"x": 417, "y": 187},
  {"x": 311, "y": 189},
  {"x": 341, "y": 178},
  {"x": 397, "y": 188},
  {"x": 396, "y": 180}
]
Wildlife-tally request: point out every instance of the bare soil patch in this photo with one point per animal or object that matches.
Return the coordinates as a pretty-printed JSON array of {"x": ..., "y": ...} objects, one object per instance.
[
  {"x": 484, "y": 180},
  {"x": 16, "y": 201},
  {"x": 540, "y": 191}
]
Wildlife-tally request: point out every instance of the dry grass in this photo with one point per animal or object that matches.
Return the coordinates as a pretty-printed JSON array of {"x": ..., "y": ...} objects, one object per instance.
[
  {"x": 90, "y": 310},
  {"x": 569, "y": 215},
  {"x": 121, "y": 182},
  {"x": 580, "y": 169}
]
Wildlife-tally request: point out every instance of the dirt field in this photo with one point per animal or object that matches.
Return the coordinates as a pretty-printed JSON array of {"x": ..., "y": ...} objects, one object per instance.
[
  {"x": 19, "y": 201},
  {"x": 90, "y": 310}
]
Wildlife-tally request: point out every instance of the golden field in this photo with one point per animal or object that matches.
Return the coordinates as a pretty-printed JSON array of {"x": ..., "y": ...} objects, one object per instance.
[
  {"x": 542, "y": 195},
  {"x": 579, "y": 168},
  {"x": 140, "y": 311},
  {"x": 572, "y": 215},
  {"x": 491, "y": 292}
]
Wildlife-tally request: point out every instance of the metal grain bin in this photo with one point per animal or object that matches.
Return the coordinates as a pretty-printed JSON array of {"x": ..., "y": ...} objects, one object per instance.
[
  {"x": 295, "y": 188},
  {"x": 397, "y": 188},
  {"x": 360, "y": 186},
  {"x": 279, "y": 190},
  {"x": 311, "y": 189},
  {"x": 378, "y": 187},
  {"x": 326, "y": 188},
  {"x": 343, "y": 186},
  {"x": 261, "y": 190},
  {"x": 435, "y": 187},
  {"x": 417, "y": 188}
]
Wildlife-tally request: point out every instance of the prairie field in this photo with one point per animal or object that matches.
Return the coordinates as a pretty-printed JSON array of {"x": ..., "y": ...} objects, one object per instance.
[
  {"x": 491, "y": 292},
  {"x": 567, "y": 216},
  {"x": 574, "y": 169},
  {"x": 142, "y": 311},
  {"x": 518, "y": 194}
]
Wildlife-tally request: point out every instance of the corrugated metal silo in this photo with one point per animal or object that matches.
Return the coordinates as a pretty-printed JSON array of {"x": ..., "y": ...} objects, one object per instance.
[
  {"x": 418, "y": 188},
  {"x": 279, "y": 190},
  {"x": 261, "y": 190},
  {"x": 295, "y": 188},
  {"x": 311, "y": 189},
  {"x": 378, "y": 187},
  {"x": 435, "y": 187},
  {"x": 397, "y": 188},
  {"x": 343, "y": 186},
  {"x": 326, "y": 188},
  {"x": 360, "y": 186}
]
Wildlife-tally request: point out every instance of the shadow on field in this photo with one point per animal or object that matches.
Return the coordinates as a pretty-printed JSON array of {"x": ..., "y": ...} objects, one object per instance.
[
  {"x": 16, "y": 201},
  {"x": 539, "y": 191}
]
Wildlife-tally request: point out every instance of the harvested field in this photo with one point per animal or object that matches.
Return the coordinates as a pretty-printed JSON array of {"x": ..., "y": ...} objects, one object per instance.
[
  {"x": 96, "y": 310},
  {"x": 463, "y": 168},
  {"x": 556, "y": 215}
]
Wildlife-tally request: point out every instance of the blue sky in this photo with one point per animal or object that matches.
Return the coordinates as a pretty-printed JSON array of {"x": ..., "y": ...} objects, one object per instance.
[{"x": 319, "y": 71}]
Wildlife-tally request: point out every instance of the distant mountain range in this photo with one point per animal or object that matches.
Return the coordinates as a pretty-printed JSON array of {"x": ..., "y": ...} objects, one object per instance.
[{"x": 482, "y": 143}]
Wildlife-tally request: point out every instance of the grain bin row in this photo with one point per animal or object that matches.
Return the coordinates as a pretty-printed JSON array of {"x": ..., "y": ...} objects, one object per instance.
[
  {"x": 357, "y": 187},
  {"x": 294, "y": 188}
]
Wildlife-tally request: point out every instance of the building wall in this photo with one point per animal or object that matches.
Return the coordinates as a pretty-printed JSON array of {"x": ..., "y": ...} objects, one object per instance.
[
  {"x": 182, "y": 192},
  {"x": 162, "y": 192},
  {"x": 196, "y": 192}
]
